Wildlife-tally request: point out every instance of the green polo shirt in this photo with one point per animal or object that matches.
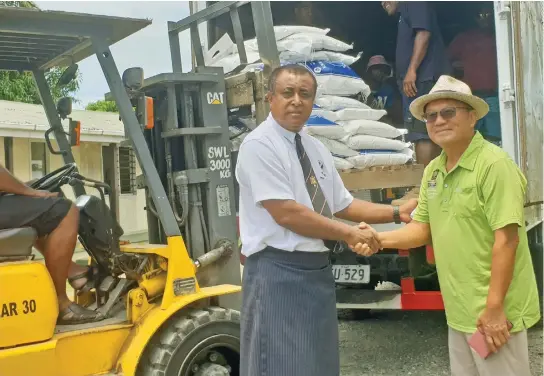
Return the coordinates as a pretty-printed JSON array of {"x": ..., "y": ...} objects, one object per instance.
[{"x": 484, "y": 192}]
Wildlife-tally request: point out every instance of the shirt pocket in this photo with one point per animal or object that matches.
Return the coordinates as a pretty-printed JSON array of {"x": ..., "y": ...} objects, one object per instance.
[{"x": 465, "y": 202}]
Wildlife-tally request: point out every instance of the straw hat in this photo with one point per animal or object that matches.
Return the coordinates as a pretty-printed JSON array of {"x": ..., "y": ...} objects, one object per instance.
[{"x": 449, "y": 88}]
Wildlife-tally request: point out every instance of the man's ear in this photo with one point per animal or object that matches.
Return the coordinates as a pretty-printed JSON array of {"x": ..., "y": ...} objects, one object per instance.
[
  {"x": 473, "y": 119},
  {"x": 268, "y": 97}
]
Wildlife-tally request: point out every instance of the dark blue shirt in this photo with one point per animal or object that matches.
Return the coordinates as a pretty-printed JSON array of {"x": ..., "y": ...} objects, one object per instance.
[
  {"x": 415, "y": 16},
  {"x": 383, "y": 97}
]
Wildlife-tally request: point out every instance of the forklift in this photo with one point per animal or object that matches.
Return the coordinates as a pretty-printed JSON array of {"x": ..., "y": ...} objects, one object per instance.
[{"x": 172, "y": 306}]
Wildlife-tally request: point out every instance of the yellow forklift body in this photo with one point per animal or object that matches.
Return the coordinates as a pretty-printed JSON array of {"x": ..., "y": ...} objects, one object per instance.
[
  {"x": 28, "y": 304},
  {"x": 96, "y": 349}
]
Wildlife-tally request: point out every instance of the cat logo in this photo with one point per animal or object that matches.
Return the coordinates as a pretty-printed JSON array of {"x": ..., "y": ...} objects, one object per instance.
[{"x": 215, "y": 98}]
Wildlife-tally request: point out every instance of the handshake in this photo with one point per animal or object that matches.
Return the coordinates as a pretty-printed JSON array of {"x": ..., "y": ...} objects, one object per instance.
[{"x": 364, "y": 240}]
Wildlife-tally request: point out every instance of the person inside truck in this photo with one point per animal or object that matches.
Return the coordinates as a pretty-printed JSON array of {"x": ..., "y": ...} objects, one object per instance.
[
  {"x": 55, "y": 220},
  {"x": 289, "y": 191},
  {"x": 471, "y": 207},
  {"x": 473, "y": 54},
  {"x": 384, "y": 92},
  {"x": 420, "y": 60}
]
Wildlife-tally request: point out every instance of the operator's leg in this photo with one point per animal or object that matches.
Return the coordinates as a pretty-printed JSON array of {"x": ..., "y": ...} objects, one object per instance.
[
  {"x": 77, "y": 274},
  {"x": 56, "y": 223},
  {"x": 58, "y": 249}
]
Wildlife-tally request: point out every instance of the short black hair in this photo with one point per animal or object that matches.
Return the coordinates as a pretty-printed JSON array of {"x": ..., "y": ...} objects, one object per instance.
[{"x": 291, "y": 68}]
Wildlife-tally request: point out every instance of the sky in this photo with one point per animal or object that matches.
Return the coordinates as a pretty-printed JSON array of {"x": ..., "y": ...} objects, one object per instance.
[{"x": 147, "y": 48}]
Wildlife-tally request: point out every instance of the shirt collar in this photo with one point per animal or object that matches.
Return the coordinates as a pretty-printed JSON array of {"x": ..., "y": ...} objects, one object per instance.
[
  {"x": 290, "y": 136},
  {"x": 468, "y": 159}
]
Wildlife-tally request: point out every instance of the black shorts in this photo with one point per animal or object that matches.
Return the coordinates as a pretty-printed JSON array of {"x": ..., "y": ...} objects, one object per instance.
[{"x": 44, "y": 214}]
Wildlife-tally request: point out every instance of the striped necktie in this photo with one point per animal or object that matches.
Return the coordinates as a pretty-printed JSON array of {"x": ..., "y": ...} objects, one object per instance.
[{"x": 314, "y": 189}]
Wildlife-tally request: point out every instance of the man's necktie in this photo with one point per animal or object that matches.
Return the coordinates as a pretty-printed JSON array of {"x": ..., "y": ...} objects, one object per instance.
[{"x": 314, "y": 189}]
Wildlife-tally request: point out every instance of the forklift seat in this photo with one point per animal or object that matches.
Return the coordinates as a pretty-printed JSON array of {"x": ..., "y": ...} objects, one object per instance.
[{"x": 17, "y": 242}]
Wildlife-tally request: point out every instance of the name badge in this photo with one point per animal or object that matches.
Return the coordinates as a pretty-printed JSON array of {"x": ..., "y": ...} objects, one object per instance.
[{"x": 432, "y": 183}]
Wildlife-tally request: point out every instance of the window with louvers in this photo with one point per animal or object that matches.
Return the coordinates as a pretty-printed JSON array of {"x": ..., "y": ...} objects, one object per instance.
[{"x": 127, "y": 170}]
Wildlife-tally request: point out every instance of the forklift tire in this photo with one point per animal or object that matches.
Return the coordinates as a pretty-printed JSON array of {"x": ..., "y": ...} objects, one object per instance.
[{"x": 183, "y": 345}]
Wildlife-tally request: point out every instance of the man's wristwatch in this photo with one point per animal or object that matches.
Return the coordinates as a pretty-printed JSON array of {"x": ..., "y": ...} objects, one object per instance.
[{"x": 396, "y": 214}]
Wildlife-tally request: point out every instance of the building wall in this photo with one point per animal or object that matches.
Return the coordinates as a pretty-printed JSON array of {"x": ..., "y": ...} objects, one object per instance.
[{"x": 88, "y": 157}]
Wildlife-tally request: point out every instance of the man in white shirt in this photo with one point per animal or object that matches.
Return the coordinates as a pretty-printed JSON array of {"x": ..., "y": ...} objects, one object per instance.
[{"x": 289, "y": 192}]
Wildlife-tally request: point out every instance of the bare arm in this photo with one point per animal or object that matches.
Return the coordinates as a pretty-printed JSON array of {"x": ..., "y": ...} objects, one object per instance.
[
  {"x": 414, "y": 234},
  {"x": 421, "y": 43},
  {"x": 502, "y": 264},
  {"x": 306, "y": 222},
  {"x": 10, "y": 184},
  {"x": 364, "y": 211}
]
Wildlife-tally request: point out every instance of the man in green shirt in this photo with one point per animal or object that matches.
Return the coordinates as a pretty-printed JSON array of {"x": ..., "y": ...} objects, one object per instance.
[{"x": 471, "y": 209}]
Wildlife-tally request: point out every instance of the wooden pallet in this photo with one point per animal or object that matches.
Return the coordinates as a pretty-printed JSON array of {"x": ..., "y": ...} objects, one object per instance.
[{"x": 382, "y": 177}]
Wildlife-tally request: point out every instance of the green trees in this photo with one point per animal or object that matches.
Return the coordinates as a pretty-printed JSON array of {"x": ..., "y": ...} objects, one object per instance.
[
  {"x": 20, "y": 87},
  {"x": 104, "y": 106}
]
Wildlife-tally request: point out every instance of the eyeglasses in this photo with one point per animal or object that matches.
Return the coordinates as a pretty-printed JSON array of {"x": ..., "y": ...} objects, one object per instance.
[{"x": 446, "y": 113}]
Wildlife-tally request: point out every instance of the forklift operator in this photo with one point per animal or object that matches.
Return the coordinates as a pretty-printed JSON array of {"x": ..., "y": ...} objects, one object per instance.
[{"x": 56, "y": 222}]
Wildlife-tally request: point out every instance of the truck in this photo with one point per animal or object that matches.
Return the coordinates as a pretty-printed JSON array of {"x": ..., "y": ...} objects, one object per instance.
[{"x": 393, "y": 279}]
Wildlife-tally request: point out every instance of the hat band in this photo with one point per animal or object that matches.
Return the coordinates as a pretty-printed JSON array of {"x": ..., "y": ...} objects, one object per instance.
[{"x": 450, "y": 91}]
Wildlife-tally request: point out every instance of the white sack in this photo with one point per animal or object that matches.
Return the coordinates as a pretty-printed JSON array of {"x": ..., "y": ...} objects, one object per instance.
[
  {"x": 337, "y": 148},
  {"x": 337, "y": 79},
  {"x": 385, "y": 159},
  {"x": 320, "y": 126},
  {"x": 229, "y": 63},
  {"x": 359, "y": 113},
  {"x": 312, "y": 42},
  {"x": 329, "y": 115},
  {"x": 299, "y": 57},
  {"x": 371, "y": 128},
  {"x": 364, "y": 142},
  {"x": 282, "y": 32},
  {"x": 342, "y": 164},
  {"x": 225, "y": 46},
  {"x": 335, "y": 103}
]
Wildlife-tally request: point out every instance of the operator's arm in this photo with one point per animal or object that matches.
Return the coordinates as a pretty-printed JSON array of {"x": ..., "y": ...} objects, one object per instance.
[
  {"x": 10, "y": 184},
  {"x": 503, "y": 191}
]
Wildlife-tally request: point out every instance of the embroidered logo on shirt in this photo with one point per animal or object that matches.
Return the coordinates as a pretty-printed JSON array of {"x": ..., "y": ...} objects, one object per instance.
[{"x": 323, "y": 175}]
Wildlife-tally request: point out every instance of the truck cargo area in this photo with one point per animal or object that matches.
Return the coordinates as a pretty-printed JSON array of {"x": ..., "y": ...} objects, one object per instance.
[{"x": 363, "y": 23}]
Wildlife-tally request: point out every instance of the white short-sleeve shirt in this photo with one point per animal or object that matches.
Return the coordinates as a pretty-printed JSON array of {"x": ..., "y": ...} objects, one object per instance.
[{"x": 268, "y": 168}]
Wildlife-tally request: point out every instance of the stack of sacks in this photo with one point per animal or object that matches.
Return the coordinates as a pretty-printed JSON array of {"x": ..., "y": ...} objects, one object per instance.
[
  {"x": 348, "y": 128},
  {"x": 353, "y": 133},
  {"x": 305, "y": 45}
]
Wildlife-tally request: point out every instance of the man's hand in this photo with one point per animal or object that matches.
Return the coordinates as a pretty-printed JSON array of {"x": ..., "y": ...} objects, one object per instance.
[
  {"x": 36, "y": 193},
  {"x": 363, "y": 240},
  {"x": 406, "y": 209},
  {"x": 409, "y": 83},
  {"x": 494, "y": 324}
]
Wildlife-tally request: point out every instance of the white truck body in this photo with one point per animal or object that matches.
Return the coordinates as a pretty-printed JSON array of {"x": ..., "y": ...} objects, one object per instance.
[{"x": 519, "y": 29}]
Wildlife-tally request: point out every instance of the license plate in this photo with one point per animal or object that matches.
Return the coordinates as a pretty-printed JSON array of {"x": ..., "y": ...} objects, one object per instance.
[{"x": 351, "y": 273}]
